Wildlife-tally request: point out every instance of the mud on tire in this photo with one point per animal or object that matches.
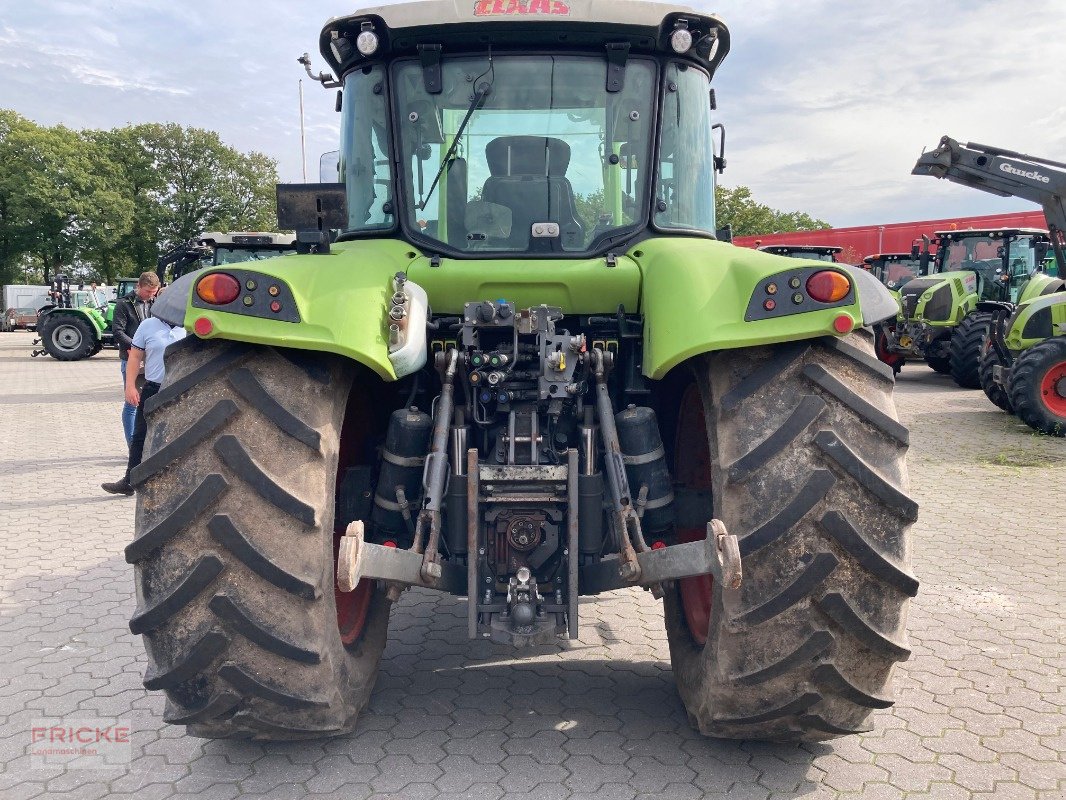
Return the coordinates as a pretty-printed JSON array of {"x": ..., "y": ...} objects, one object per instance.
[
  {"x": 807, "y": 468},
  {"x": 234, "y": 555}
]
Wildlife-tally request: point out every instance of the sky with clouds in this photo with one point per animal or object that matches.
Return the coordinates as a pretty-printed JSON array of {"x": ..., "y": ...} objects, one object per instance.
[{"x": 827, "y": 103}]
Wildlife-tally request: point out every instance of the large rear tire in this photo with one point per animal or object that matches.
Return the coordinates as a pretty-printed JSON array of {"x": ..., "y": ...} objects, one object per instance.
[
  {"x": 964, "y": 351},
  {"x": 1038, "y": 386},
  {"x": 806, "y": 466},
  {"x": 235, "y": 548},
  {"x": 67, "y": 337},
  {"x": 997, "y": 394}
]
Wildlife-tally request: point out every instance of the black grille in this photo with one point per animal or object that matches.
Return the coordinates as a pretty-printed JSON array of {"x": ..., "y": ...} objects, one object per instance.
[
  {"x": 911, "y": 291},
  {"x": 939, "y": 306}
]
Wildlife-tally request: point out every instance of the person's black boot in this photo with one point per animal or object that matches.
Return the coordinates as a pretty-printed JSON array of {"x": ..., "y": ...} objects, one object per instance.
[{"x": 118, "y": 487}]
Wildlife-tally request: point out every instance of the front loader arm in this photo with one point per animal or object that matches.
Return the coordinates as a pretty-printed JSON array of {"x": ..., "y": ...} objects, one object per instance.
[{"x": 1005, "y": 173}]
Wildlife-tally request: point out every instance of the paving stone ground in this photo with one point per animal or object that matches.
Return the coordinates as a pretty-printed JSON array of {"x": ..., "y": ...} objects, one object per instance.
[{"x": 980, "y": 709}]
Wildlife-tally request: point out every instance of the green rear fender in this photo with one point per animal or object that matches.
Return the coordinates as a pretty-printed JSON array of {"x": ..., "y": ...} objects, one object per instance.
[
  {"x": 693, "y": 293},
  {"x": 91, "y": 315},
  {"x": 340, "y": 298},
  {"x": 1040, "y": 284},
  {"x": 697, "y": 293}
]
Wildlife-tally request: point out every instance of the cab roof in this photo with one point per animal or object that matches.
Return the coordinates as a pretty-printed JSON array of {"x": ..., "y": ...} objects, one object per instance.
[
  {"x": 457, "y": 25},
  {"x": 986, "y": 231},
  {"x": 814, "y": 248},
  {"x": 890, "y": 257},
  {"x": 249, "y": 238}
]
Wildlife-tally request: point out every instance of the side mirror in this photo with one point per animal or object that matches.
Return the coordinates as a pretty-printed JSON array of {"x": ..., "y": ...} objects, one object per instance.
[
  {"x": 724, "y": 234},
  {"x": 916, "y": 251},
  {"x": 1040, "y": 253},
  {"x": 312, "y": 210},
  {"x": 719, "y": 157}
]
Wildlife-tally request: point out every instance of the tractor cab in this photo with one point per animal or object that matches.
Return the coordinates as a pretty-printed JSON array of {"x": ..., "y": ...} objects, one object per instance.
[
  {"x": 236, "y": 248},
  {"x": 521, "y": 140},
  {"x": 1001, "y": 259},
  {"x": 811, "y": 252},
  {"x": 893, "y": 269}
]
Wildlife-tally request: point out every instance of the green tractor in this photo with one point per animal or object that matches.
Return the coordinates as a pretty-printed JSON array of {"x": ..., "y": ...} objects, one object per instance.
[
  {"x": 521, "y": 369},
  {"x": 74, "y": 325},
  {"x": 1023, "y": 358},
  {"x": 939, "y": 318}
]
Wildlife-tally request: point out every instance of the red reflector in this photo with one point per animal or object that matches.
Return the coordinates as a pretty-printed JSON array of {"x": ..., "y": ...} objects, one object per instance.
[
  {"x": 218, "y": 288},
  {"x": 388, "y": 543},
  {"x": 828, "y": 286},
  {"x": 769, "y": 305},
  {"x": 203, "y": 326},
  {"x": 275, "y": 306},
  {"x": 658, "y": 545},
  {"x": 843, "y": 324}
]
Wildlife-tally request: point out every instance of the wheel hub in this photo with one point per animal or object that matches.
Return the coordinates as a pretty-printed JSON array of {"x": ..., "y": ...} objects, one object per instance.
[
  {"x": 1053, "y": 389},
  {"x": 66, "y": 337}
]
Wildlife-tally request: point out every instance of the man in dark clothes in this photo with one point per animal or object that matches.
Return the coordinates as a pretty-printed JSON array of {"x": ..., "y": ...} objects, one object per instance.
[{"x": 131, "y": 311}]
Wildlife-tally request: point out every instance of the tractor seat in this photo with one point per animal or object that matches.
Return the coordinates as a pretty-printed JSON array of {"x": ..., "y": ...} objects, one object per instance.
[{"x": 527, "y": 174}]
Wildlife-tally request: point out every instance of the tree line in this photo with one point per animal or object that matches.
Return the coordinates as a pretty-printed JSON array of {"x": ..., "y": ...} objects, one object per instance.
[
  {"x": 735, "y": 206},
  {"x": 100, "y": 205}
]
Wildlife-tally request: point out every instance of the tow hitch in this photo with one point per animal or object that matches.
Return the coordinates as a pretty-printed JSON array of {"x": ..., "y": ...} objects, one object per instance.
[{"x": 717, "y": 555}]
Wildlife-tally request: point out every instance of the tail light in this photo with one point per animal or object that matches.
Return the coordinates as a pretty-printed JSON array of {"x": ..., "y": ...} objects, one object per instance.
[
  {"x": 828, "y": 286},
  {"x": 218, "y": 288}
]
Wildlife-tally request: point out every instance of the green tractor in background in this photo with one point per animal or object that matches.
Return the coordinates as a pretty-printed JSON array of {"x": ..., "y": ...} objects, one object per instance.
[
  {"x": 939, "y": 318},
  {"x": 1023, "y": 358},
  {"x": 75, "y": 325},
  {"x": 893, "y": 270},
  {"x": 524, "y": 371}
]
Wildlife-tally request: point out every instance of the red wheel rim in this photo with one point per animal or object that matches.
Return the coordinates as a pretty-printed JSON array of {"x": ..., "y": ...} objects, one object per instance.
[
  {"x": 882, "y": 351},
  {"x": 1051, "y": 389},
  {"x": 692, "y": 469},
  {"x": 351, "y": 606}
]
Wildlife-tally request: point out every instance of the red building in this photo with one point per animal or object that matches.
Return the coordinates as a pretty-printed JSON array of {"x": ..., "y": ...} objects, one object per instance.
[{"x": 897, "y": 237}]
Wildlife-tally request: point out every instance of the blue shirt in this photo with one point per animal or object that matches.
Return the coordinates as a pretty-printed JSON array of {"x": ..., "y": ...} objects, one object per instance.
[{"x": 153, "y": 336}]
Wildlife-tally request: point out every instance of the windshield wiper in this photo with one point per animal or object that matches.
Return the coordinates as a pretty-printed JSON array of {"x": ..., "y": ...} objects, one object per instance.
[{"x": 479, "y": 96}]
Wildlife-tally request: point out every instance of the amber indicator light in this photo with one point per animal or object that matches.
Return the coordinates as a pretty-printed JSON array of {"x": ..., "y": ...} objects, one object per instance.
[
  {"x": 828, "y": 286},
  {"x": 218, "y": 288}
]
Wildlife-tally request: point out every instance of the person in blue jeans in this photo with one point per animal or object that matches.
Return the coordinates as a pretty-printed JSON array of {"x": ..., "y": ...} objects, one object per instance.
[
  {"x": 151, "y": 339},
  {"x": 130, "y": 311}
]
